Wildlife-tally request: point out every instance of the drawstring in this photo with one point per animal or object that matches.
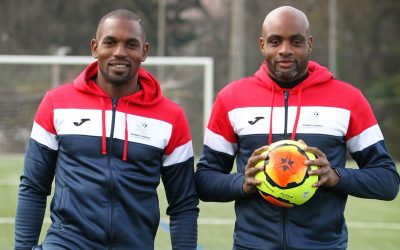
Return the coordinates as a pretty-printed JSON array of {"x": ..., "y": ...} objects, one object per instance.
[
  {"x": 103, "y": 128},
  {"x": 270, "y": 116},
  {"x": 103, "y": 131},
  {"x": 296, "y": 121},
  {"x": 125, "y": 152},
  {"x": 103, "y": 120}
]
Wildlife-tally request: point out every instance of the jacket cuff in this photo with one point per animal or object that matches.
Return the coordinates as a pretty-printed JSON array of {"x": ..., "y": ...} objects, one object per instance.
[{"x": 344, "y": 179}]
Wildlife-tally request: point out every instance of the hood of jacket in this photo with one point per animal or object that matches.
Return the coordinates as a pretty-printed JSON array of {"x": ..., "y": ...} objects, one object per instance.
[{"x": 150, "y": 93}]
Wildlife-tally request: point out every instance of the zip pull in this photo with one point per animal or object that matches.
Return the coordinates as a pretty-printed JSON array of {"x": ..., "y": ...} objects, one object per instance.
[
  {"x": 286, "y": 96},
  {"x": 114, "y": 103}
]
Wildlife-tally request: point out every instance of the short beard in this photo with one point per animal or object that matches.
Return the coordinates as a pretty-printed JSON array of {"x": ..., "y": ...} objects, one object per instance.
[
  {"x": 115, "y": 80},
  {"x": 289, "y": 76}
]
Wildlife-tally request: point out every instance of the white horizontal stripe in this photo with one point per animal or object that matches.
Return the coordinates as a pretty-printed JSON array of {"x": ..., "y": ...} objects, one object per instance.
[
  {"x": 351, "y": 224},
  {"x": 228, "y": 221},
  {"x": 312, "y": 120},
  {"x": 10, "y": 182},
  {"x": 218, "y": 143},
  {"x": 143, "y": 130},
  {"x": 368, "y": 137},
  {"x": 323, "y": 120},
  {"x": 241, "y": 117},
  {"x": 180, "y": 154},
  {"x": 69, "y": 121},
  {"x": 11, "y": 220},
  {"x": 374, "y": 225},
  {"x": 44, "y": 137},
  {"x": 215, "y": 221}
]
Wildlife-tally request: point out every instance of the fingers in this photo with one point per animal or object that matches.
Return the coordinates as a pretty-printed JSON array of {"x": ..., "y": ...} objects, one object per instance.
[
  {"x": 251, "y": 169},
  {"x": 321, "y": 161},
  {"x": 323, "y": 176},
  {"x": 259, "y": 151},
  {"x": 252, "y": 162},
  {"x": 329, "y": 178},
  {"x": 324, "y": 171},
  {"x": 250, "y": 183},
  {"x": 302, "y": 142},
  {"x": 256, "y": 157},
  {"x": 318, "y": 153}
]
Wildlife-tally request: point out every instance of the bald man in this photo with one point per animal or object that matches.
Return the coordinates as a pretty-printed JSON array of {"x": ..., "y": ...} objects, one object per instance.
[{"x": 292, "y": 98}]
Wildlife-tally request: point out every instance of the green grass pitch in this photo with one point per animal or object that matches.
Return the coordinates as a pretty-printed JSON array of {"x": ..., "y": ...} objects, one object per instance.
[{"x": 372, "y": 224}]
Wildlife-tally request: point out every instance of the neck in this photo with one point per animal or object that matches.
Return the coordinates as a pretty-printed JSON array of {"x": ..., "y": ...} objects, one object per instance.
[
  {"x": 118, "y": 90},
  {"x": 290, "y": 84}
]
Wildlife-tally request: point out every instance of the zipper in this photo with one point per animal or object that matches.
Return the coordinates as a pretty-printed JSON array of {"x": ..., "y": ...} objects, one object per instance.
[
  {"x": 285, "y": 133},
  {"x": 284, "y": 234},
  {"x": 286, "y": 98},
  {"x": 109, "y": 155}
]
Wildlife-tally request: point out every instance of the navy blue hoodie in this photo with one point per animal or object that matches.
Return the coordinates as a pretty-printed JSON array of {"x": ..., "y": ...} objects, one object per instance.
[
  {"x": 107, "y": 157},
  {"x": 322, "y": 111}
]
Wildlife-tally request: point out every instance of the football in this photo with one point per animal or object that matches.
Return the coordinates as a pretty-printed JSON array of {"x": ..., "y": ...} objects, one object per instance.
[{"x": 284, "y": 178}]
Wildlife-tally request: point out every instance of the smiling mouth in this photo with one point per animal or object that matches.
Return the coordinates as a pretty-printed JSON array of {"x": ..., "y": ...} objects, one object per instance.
[
  {"x": 119, "y": 68},
  {"x": 119, "y": 64}
]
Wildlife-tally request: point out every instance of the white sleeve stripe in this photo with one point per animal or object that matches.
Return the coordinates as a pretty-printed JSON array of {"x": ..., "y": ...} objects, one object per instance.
[
  {"x": 44, "y": 137},
  {"x": 219, "y": 143},
  {"x": 368, "y": 137},
  {"x": 180, "y": 154}
]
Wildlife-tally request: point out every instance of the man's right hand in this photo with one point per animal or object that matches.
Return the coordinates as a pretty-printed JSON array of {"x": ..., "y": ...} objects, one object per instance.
[{"x": 250, "y": 184}]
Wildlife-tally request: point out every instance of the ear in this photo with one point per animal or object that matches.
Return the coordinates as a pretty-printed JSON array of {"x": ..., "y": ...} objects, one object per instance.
[
  {"x": 310, "y": 43},
  {"x": 93, "y": 46},
  {"x": 261, "y": 44},
  {"x": 146, "y": 48}
]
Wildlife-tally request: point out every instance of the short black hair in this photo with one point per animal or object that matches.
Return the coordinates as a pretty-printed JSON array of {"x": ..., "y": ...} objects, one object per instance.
[{"x": 121, "y": 14}]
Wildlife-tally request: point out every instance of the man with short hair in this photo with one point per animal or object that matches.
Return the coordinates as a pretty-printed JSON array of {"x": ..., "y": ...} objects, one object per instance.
[{"x": 107, "y": 138}]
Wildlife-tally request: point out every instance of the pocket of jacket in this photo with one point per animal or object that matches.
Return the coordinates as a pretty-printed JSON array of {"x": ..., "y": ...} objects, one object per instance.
[{"x": 64, "y": 198}]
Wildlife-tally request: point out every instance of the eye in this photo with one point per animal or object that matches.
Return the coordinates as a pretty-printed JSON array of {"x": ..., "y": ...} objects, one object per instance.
[
  {"x": 133, "y": 44},
  {"x": 297, "y": 43},
  {"x": 108, "y": 43},
  {"x": 274, "y": 42}
]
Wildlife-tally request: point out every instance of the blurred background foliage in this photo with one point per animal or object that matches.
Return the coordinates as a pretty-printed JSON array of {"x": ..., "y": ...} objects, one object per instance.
[{"x": 368, "y": 48}]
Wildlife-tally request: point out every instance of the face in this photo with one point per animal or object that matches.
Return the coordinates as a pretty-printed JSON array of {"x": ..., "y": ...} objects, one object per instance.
[
  {"x": 120, "y": 48},
  {"x": 286, "y": 46}
]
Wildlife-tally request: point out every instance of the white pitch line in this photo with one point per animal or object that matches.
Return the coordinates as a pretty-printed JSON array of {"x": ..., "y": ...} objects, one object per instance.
[
  {"x": 8, "y": 182},
  {"x": 11, "y": 220},
  {"x": 219, "y": 221},
  {"x": 215, "y": 221},
  {"x": 373, "y": 225}
]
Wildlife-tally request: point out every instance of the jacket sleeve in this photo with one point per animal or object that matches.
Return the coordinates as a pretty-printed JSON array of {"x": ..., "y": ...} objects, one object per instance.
[
  {"x": 214, "y": 180},
  {"x": 377, "y": 177},
  {"x": 36, "y": 180},
  {"x": 177, "y": 173}
]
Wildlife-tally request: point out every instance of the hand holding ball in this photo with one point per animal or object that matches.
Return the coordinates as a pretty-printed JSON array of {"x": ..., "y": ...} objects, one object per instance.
[{"x": 284, "y": 178}]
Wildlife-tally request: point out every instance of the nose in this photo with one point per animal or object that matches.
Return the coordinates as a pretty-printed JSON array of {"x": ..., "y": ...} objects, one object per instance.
[
  {"x": 285, "y": 49},
  {"x": 120, "y": 51}
]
